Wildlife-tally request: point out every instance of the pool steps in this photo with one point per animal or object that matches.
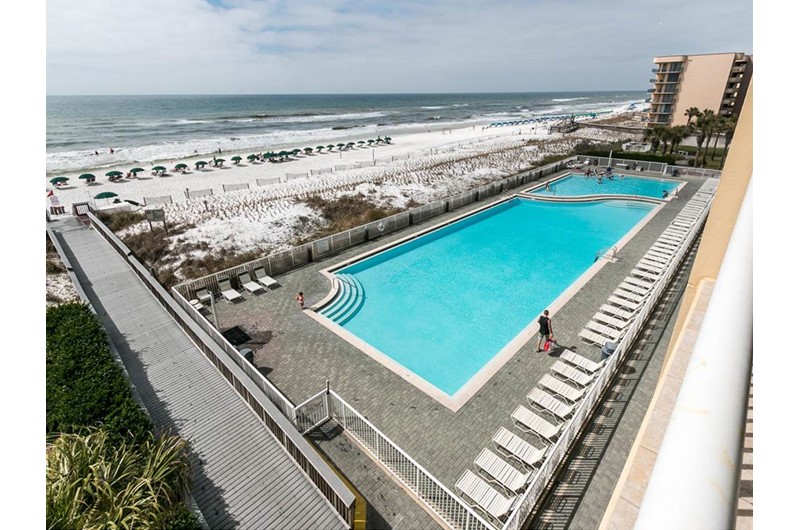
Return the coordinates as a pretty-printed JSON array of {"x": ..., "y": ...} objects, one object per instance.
[{"x": 349, "y": 300}]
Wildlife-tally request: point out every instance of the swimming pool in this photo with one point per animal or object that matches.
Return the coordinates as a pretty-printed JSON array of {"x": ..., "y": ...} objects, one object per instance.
[
  {"x": 574, "y": 185},
  {"x": 444, "y": 304}
]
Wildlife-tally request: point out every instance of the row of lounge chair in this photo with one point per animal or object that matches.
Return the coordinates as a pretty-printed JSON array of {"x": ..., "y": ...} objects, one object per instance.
[
  {"x": 253, "y": 283},
  {"x": 511, "y": 468},
  {"x": 609, "y": 325}
]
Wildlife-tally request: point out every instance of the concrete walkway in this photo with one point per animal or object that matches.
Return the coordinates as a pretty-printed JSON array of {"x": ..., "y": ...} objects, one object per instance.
[{"x": 243, "y": 478}]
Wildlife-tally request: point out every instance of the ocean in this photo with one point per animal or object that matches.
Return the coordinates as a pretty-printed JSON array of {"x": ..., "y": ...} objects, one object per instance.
[{"x": 81, "y": 130}]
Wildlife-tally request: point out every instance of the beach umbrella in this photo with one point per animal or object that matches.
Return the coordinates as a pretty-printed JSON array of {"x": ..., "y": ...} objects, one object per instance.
[
  {"x": 199, "y": 164},
  {"x": 236, "y": 159},
  {"x": 296, "y": 151},
  {"x": 114, "y": 173},
  {"x": 250, "y": 158},
  {"x": 361, "y": 142},
  {"x": 218, "y": 161},
  {"x": 330, "y": 146},
  {"x": 88, "y": 177},
  {"x": 58, "y": 180},
  {"x": 370, "y": 142},
  {"x": 181, "y": 166},
  {"x": 320, "y": 148},
  {"x": 159, "y": 168},
  {"x": 137, "y": 170},
  {"x": 350, "y": 144},
  {"x": 308, "y": 150},
  {"x": 387, "y": 139},
  {"x": 340, "y": 146},
  {"x": 105, "y": 195}
]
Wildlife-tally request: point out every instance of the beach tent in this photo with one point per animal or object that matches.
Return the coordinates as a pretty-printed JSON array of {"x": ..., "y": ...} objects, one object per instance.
[
  {"x": 88, "y": 177},
  {"x": 199, "y": 164},
  {"x": 236, "y": 159},
  {"x": 58, "y": 180}
]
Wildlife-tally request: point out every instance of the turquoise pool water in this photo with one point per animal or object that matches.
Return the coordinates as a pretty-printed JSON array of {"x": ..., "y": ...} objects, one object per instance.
[
  {"x": 579, "y": 185},
  {"x": 444, "y": 304}
]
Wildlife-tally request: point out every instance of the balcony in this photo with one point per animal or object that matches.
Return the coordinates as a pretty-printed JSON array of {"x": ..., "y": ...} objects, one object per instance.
[
  {"x": 737, "y": 70},
  {"x": 651, "y": 90},
  {"x": 664, "y": 90}
]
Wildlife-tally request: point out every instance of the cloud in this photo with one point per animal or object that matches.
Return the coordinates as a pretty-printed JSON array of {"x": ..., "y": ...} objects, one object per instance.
[{"x": 249, "y": 46}]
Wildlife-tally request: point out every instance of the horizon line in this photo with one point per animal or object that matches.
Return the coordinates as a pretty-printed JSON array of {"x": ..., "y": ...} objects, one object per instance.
[{"x": 643, "y": 90}]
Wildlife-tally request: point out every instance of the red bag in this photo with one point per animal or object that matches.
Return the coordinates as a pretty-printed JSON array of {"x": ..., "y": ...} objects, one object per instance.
[{"x": 548, "y": 343}]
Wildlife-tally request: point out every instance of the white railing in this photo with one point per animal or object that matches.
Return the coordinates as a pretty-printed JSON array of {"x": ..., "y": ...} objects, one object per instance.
[
  {"x": 703, "y": 441},
  {"x": 559, "y": 449},
  {"x": 453, "y": 511}
]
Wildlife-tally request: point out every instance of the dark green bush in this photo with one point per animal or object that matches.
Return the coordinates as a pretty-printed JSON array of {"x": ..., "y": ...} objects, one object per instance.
[{"x": 85, "y": 386}]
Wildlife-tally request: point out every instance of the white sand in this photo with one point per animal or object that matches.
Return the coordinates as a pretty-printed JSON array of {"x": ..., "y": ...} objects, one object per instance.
[{"x": 269, "y": 217}]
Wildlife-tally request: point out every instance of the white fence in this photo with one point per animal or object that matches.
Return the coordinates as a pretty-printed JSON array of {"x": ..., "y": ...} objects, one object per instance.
[
  {"x": 193, "y": 194},
  {"x": 235, "y": 187},
  {"x": 162, "y": 199},
  {"x": 267, "y": 182}
]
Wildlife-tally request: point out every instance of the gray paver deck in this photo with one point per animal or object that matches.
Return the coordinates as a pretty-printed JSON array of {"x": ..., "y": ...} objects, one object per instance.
[
  {"x": 299, "y": 355},
  {"x": 243, "y": 478}
]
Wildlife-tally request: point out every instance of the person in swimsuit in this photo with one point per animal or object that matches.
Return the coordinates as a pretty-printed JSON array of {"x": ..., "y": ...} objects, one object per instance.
[{"x": 545, "y": 329}]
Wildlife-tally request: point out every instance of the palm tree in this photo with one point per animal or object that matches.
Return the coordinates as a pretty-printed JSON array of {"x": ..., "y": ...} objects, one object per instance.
[
  {"x": 691, "y": 112},
  {"x": 666, "y": 139},
  {"x": 91, "y": 483},
  {"x": 679, "y": 134},
  {"x": 722, "y": 124},
  {"x": 712, "y": 121},
  {"x": 703, "y": 125},
  {"x": 727, "y": 133},
  {"x": 654, "y": 135}
]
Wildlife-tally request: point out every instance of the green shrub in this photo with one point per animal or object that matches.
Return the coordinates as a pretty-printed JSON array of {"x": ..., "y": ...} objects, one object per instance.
[
  {"x": 120, "y": 220},
  {"x": 645, "y": 157},
  {"x": 84, "y": 384}
]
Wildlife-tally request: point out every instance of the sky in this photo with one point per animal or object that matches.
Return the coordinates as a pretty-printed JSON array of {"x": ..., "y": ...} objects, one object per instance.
[{"x": 354, "y": 46}]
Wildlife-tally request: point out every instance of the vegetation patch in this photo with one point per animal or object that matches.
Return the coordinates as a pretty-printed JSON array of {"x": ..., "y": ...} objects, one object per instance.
[{"x": 345, "y": 212}]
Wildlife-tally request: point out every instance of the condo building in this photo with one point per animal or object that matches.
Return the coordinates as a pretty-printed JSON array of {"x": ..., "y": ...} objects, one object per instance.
[{"x": 716, "y": 81}]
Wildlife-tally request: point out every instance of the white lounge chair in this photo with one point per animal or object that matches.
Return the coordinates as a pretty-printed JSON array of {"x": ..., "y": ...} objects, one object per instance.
[
  {"x": 501, "y": 472},
  {"x": 515, "y": 447},
  {"x": 638, "y": 281},
  {"x": 645, "y": 274},
  {"x": 248, "y": 283},
  {"x": 263, "y": 279},
  {"x": 623, "y": 302},
  {"x": 612, "y": 321},
  {"x": 530, "y": 422},
  {"x": 619, "y": 312},
  {"x": 479, "y": 494},
  {"x": 561, "y": 389},
  {"x": 612, "y": 334},
  {"x": 593, "y": 337},
  {"x": 649, "y": 267},
  {"x": 229, "y": 293},
  {"x": 547, "y": 403},
  {"x": 581, "y": 362},
  {"x": 634, "y": 288},
  {"x": 202, "y": 295},
  {"x": 654, "y": 255},
  {"x": 572, "y": 374}
]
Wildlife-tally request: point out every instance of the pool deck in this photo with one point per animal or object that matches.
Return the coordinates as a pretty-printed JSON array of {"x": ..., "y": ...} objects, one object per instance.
[{"x": 299, "y": 355}]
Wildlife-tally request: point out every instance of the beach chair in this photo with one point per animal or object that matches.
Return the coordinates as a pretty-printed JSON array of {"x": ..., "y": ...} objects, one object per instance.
[
  {"x": 645, "y": 284},
  {"x": 247, "y": 282},
  {"x": 609, "y": 320},
  {"x": 593, "y": 337},
  {"x": 664, "y": 248},
  {"x": 645, "y": 275},
  {"x": 619, "y": 312},
  {"x": 633, "y": 288},
  {"x": 263, "y": 279},
  {"x": 531, "y": 423},
  {"x": 202, "y": 295},
  {"x": 571, "y": 374},
  {"x": 651, "y": 255},
  {"x": 610, "y": 334},
  {"x": 516, "y": 448},
  {"x": 480, "y": 494},
  {"x": 561, "y": 389},
  {"x": 229, "y": 293},
  {"x": 650, "y": 267},
  {"x": 656, "y": 252},
  {"x": 500, "y": 472},
  {"x": 624, "y": 302},
  {"x": 581, "y": 362},
  {"x": 548, "y": 403}
]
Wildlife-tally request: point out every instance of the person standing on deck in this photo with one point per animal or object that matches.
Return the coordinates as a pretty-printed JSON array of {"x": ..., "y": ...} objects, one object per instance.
[{"x": 545, "y": 330}]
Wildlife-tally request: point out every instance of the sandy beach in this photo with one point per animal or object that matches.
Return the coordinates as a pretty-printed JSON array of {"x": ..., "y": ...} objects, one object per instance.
[{"x": 258, "y": 206}]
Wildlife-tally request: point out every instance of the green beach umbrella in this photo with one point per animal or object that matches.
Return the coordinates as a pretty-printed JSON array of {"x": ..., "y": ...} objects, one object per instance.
[
  {"x": 137, "y": 170},
  {"x": 296, "y": 151},
  {"x": 350, "y": 144},
  {"x": 251, "y": 157},
  {"x": 199, "y": 164},
  {"x": 320, "y": 148},
  {"x": 308, "y": 150},
  {"x": 181, "y": 166},
  {"x": 159, "y": 168},
  {"x": 370, "y": 142},
  {"x": 57, "y": 180},
  {"x": 114, "y": 173},
  {"x": 218, "y": 161},
  {"x": 88, "y": 177},
  {"x": 387, "y": 139},
  {"x": 105, "y": 195},
  {"x": 236, "y": 159},
  {"x": 361, "y": 142},
  {"x": 340, "y": 146},
  {"x": 330, "y": 146}
]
